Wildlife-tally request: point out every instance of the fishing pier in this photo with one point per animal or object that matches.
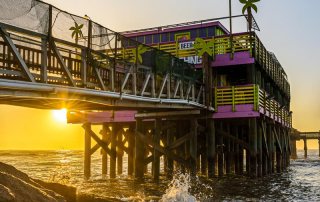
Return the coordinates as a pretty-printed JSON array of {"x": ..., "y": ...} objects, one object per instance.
[{"x": 190, "y": 97}]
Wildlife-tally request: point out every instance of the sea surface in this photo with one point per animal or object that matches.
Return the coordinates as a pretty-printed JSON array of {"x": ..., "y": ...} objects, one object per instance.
[{"x": 301, "y": 182}]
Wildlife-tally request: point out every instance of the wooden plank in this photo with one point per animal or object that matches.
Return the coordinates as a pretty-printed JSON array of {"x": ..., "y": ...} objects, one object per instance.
[
  {"x": 179, "y": 141},
  {"x": 227, "y": 135},
  {"x": 15, "y": 52}
]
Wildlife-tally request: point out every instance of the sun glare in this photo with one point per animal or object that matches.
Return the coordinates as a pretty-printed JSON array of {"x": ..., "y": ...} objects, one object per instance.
[{"x": 60, "y": 115}]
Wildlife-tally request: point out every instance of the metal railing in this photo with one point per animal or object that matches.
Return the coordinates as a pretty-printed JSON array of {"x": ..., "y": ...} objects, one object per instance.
[{"x": 99, "y": 59}]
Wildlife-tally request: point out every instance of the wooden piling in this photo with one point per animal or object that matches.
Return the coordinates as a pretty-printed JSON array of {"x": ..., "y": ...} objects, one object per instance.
[
  {"x": 139, "y": 151},
  {"x": 236, "y": 155},
  {"x": 253, "y": 146},
  {"x": 193, "y": 147},
  {"x": 220, "y": 154},
  {"x": 113, "y": 155},
  {"x": 119, "y": 151},
  {"x": 259, "y": 149},
  {"x": 319, "y": 144},
  {"x": 305, "y": 148},
  {"x": 104, "y": 134},
  {"x": 211, "y": 148},
  {"x": 87, "y": 152},
  {"x": 131, "y": 146},
  {"x": 228, "y": 152},
  {"x": 170, "y": 167},
  {"x": 156, "y": 154}
]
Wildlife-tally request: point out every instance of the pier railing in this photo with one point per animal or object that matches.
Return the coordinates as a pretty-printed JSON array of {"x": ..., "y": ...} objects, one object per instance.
[
  {"x": 43, "y": 44},
  {"x": 240, "y": 42},
  {"x": 252, "y": 95}
]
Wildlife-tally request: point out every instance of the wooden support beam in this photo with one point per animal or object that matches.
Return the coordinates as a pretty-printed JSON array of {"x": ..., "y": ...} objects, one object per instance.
[
  {"x": 259, "y": 148},
  {"x": 83, "y": 67},
  {"x": 305, "y": 148},
  {"x": 169, "y": 169},
  {"x": 253, "y": 146},
  {"x": 62, "y": 63},
  {"x": 44, "y": 60},
  {"x": 139, "y": 150},
  {"x": 113, "y": 151},
  {"x": 211, "y": 148},
  {"x": 227, "y": 135},
  {"x": 131, "y": 145},
  {"x": 220, "y": 148},
  {"x": 103, "y": 145},
  {"x": 178, "y": 142},
  {"x": 87, "y": 154},
  {"x": 228, "y": 151},
  {"x": 156, "y": 154},
  {"x": 6, "y": 37},
  {"x": 193, "y": 147},
  {"x": 105, "y": 137},
  {"x": 94, "y": 149},
  {"x": 120, "y": 145}
]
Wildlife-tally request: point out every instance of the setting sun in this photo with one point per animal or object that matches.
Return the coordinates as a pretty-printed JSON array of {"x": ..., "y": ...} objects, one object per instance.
[{"x": 60, "y": 115}]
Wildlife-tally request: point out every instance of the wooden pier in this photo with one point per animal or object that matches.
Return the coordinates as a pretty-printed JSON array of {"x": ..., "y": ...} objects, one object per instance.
[
  {"x": 227, "y": 114},
  {"x": 305, "y": 136}
]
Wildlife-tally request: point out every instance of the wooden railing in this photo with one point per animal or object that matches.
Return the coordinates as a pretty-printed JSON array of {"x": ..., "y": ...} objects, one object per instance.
[
  {"x": 240, "y": 42},
  {"x": 252, "y": 94}
]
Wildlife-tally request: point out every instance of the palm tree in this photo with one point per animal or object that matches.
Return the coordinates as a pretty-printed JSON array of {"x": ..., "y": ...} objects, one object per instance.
[
  {"x": 77, "y": 32},
  {"x": 248, "y": 5}
]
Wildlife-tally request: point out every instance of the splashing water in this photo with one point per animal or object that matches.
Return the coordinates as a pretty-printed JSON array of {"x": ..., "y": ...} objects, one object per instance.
[{"x": 178, "y": 190}]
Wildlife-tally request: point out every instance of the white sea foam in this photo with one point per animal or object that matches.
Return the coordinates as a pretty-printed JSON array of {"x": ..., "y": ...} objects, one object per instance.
[{"x": 178, "y": 189}]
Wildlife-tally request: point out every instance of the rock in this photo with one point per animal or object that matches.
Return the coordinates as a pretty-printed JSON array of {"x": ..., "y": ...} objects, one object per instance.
[
  {"x": 6, "y": 194},
  {"x": 25, "y": 192},
  {"x": 18, "y": 186}
]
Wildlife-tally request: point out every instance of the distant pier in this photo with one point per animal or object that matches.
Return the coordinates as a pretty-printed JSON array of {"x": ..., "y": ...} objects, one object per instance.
[{"x": 305, "y": 136}]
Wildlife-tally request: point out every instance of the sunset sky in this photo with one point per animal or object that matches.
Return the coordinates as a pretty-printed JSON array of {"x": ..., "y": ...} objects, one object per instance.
[{"x": 289, "y": 28}]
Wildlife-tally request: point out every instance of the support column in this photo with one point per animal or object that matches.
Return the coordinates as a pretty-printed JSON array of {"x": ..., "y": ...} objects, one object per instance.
[
  {"x": 169, "y": 171},
  {"x": 113, "y": 156},
  {"x": 104, "y": 134},
  {"x": 270, "y": 148},
  {"x": 119, "y": 151},
  {"x": 193, "y": 147},
  {"x": 319, "y": 144},
  {"x": 228, "y": 152},
  {"x": 253, "y": 146},
  {"x": 236, "y": 151},
  {"x": 220, "y": 153},
  {"x": 139, "y": 151},
  {"x": 156, "y": 154},
  {"x": 305, "y": 148},
  {"x": 241, "y": 153},
  {"x": 259, "y": 148},
  {"x": 87, "y": 153},
  {"x": 131, "y": 146},
  {"x": 273, "y": 150},
  {"x": 211, "y": 149}
]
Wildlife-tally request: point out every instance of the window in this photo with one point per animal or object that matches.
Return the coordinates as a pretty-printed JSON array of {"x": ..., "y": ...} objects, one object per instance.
[
  {"x": 164, "y": 37},
  {"x": 210, "y": 31},
  {"x": 203, "y": 32},
  {"x": 193, "y": 34},
  {"x": 156, "y": 38},
  {"x": 141, "y": 39},
  {"x": 148, "y": 39}
]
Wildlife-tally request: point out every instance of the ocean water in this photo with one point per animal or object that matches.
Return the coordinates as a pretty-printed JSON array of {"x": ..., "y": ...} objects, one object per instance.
[{"x": 301, "y": 182}]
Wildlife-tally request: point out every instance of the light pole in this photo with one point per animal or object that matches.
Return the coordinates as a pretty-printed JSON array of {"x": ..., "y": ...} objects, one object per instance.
[{"x": 230, "y": 22}]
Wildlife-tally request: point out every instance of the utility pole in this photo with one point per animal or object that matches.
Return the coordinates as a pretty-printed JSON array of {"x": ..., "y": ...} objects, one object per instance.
[{"x": 230, "y": 22}]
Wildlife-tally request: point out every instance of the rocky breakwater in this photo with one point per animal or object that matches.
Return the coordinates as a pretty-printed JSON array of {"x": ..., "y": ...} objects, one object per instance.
[{"x": 18, "y": 186}]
